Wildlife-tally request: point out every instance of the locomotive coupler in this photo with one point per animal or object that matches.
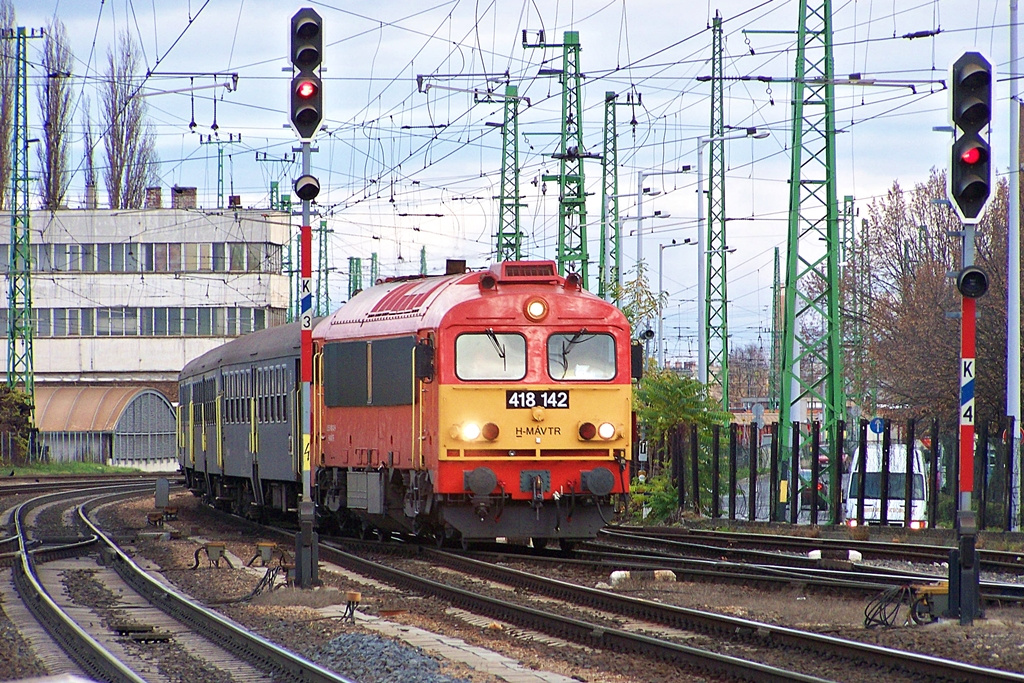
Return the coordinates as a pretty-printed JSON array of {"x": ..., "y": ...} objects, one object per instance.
[
  {"x": 480, "y": 506},
  {"x": 537, "y": 495}
]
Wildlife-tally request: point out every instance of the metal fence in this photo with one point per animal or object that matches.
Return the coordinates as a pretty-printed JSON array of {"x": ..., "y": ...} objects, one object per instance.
[{"x": 746, "y": 472}]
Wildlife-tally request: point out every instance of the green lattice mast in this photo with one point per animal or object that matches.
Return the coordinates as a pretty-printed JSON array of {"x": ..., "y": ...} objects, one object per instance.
[
  {"x": 510, "y": 239},
  {"x": 812, "y": 368},
  {"x": 716, "y": 333},
  {"x": 611, "y": 240},
  {"x": 610, "y": 264},
  {"x": 323, "y": 292},
  {"x": 572, "y": 200},
  {"x": 355, "y": 275},
  {"x": 423, "y": 261},
  {"x": 20, "y": 370}
]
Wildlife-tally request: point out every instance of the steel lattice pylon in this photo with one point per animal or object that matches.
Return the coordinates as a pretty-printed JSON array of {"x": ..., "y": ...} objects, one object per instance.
[
  {"x": 812, "y": 371},
  {"x": 716, "y": 332},
  {"x": 323, "y": 291},
  {"x": 572, "y": 199},
  {"x": 510, "y": 239},
  {"x": 611, "y": 240},
  {"x": 355, "y": 275},
  {"x": 20, "y": 326}
]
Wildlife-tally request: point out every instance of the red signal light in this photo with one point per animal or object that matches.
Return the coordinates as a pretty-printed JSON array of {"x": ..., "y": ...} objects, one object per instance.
[
  {"x": 306, "y": 89},
  {"x": 971, "y": 155}
]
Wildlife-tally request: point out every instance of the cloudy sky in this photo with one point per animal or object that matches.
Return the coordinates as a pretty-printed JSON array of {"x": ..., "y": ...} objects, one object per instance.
[{"x": 403, "y": 169}]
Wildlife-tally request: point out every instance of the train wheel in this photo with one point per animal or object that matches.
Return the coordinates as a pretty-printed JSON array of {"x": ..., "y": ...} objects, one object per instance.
[
  {"x": 540, "y": 543},
  {"x": 566, "y": 544}
]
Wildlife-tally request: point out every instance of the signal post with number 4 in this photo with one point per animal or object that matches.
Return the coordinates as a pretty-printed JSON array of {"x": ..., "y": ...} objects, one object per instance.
[{"x": 969, "y": 190}]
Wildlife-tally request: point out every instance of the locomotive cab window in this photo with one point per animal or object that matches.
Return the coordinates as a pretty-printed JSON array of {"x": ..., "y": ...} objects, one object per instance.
[
  {"x": 581, "y": 355},
  {"x": 490, "y": 355}
]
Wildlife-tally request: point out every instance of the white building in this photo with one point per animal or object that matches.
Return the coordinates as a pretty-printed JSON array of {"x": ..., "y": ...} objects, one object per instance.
[
  {"x": 123, "y": 299},
  {"x": 128, "y": 297}
]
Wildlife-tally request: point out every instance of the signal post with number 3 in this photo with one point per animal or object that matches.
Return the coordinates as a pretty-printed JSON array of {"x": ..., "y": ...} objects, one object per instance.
[{"x": 306, "y": 41}]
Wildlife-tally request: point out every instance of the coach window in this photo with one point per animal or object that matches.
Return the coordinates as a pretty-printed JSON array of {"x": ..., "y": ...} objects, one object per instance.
[
  {"x": 490, "y": 355},
  {"x": 581, "y": 355}
]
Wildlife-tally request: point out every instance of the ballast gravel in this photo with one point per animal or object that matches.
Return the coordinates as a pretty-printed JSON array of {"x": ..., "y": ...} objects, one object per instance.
[{"x": 372, "y": 659}]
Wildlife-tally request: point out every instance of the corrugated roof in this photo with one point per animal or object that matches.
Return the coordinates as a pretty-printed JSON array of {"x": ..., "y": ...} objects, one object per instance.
[{"x": 82, "y": 409}]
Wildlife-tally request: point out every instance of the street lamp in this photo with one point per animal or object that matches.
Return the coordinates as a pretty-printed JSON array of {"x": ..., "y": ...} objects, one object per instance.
[
  {"x": 640, "y": 175},
  {"x": 638, "y": 218},
  {"x": 703, "y": 252},
  {"x": 661, "y": 305}
]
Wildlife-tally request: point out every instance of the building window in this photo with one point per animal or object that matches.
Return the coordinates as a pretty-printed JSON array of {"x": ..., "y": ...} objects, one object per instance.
[
  {"x": 173, "y": 322},
  {"x": 255, "y": 257},
  {"x": 60, "y": 322},
  {"x": 103, "y": 258},
  {"x": 191, "y": 322},
  {"x": 219, "y": 262}
]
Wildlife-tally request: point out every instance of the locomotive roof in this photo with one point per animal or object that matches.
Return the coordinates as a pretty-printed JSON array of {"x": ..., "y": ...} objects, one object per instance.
[
  {"x": 272, "y": 342},
  {"x": 406, "y": 305}
]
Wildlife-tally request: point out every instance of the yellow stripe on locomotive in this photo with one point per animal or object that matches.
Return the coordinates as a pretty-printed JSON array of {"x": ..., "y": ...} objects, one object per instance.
[{"x": 563, "y": 431}]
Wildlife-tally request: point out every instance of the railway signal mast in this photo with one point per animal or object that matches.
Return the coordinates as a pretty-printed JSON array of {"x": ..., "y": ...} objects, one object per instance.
[
  {"x": 969, "y": 189},
  {"x": 307, "y": 41}
]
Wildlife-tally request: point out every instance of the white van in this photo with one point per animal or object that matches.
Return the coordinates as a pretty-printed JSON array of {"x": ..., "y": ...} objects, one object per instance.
[{"x": 897, "y": 482}]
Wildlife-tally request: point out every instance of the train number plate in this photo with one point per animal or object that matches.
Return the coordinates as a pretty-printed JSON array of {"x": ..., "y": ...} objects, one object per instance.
[{"x": 537, "y": 399}]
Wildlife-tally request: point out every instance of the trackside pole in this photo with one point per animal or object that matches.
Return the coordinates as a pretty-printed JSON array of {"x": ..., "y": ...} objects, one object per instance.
[
  {"x": 306, "y": 541},
  {"x": 966, "y": 523}
]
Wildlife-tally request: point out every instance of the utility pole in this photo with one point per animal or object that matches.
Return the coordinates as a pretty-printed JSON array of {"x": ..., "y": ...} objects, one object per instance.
[
  {"x": 812, "y": 365},
  {"x": 220, "y": 143},
  {"x": 423, "y": 261},
  {"x": 572, "y": 198},
  {"x": 774, "y": 367},
  {"x": 374, "y": 269},
  {"x": 20, "y": 326},
  {"x": 1013, "y": 336}
]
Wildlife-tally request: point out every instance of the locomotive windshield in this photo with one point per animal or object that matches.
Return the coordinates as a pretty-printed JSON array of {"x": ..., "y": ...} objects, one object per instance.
[
  {"x": 581, "y": 355},
  {"x": 490, "y": 356}
]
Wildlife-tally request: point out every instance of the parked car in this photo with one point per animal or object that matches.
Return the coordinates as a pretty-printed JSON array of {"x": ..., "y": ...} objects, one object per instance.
[{"x": 805, "y": 490}]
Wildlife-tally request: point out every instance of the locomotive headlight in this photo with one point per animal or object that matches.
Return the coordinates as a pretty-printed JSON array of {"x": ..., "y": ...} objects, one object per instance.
[
  {"x": 471, "y": 431},
  {"x": 490, "y": 431},
  {"x": 606, "y": 431},
  {"x": 536, "y": 310}
]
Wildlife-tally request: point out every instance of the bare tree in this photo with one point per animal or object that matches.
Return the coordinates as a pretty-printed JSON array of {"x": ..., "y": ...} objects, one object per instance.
[
  {"x": 8, "y": 54},
  {"x": 128, "y": 139},
  {"x": 54, "y": 95},
  {"x": 748, "y": 372},
  {"x": 911, "y": 342}
]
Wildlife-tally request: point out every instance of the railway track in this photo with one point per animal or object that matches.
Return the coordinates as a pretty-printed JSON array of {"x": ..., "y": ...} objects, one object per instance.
[
  {"x": 726, "y": 561},
  {"x": 745, "y": 635},
  {"x": 991, "y": 560},
  {"x": 159, "y": 613}
]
